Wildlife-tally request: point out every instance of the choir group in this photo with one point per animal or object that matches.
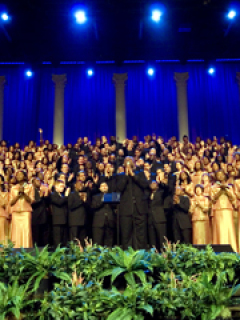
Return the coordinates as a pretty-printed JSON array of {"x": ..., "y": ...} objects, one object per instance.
[{"x": 187, "y": 192}]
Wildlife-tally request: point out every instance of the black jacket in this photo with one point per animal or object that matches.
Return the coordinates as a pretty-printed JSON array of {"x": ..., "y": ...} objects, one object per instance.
[
  {"x": 132, "y": 191},
  {"x": 59, "y": 208},
  {"x": 39, "y": 213},
  {"x": 101, "y": 210},
  {"x": 156, "y": 207},
  {"x": 181, "y": 212},
  {"x": 76, "y": 210}
]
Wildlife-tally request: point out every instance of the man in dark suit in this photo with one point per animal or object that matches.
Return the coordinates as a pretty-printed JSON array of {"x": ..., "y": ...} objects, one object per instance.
[
  {"x": 157, "y": 221},
  {"x": 133, "y": 207},
  {"x": 103, "y": 219},
  {"x": 59, "y": 201},
  {"x": 77, "y": 213},
  {"x": 182, "y": 226},
  {"x": 39, "y": 214}
]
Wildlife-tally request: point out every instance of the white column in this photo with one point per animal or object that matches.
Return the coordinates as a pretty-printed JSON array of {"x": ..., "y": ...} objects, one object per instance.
[
  {"x": 119, "y": 81},
  {"x": 181, "y": 79},
  {"x": 58, "y": 123},
  {"x": 2, "y": 83}
]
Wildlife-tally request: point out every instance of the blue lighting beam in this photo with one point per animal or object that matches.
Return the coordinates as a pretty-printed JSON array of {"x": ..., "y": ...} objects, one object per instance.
[
  {"x": 29, "y": 73},
  {"x": 90, "y": 72},
  {"x": 211, "y": 71},
  {"x": 81, "y": 17},
  {"x": 4, "y": 16},
  {"x": 151, "y": 72},
  {"x": 156, "y": 15},
  {"x": 232, "y": 14}
]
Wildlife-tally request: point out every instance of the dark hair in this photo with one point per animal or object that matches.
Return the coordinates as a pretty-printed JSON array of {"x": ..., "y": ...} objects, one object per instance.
[
  {"x": 199, "y": 186},
  {"x": 189, "y": 180}
]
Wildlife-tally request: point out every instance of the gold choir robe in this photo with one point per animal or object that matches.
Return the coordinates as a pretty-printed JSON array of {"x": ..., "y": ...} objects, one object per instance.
[
  {"x": 21, "y": 231},
  {"x": 200, "y": 220},
  {"x": 223, "y": 229},
  {"x": 3, "y": 217}
]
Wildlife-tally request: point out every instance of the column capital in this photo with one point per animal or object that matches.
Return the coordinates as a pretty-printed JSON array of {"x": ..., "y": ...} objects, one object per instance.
[
  {"x": 181, "y": 78},
  {"x": 59, "y": 80},
  {"x": 2, "y": 81},
  {"x": 238, "y": 78},
  {"x": 120, "y": 78}
]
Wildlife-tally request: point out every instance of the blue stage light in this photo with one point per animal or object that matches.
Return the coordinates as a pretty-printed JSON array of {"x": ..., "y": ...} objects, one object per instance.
[
  {"x": 211, "y": 71},
  {"x": 4, "y": 16},
  {"x": 151, "y": 72},
  {"x": 80, "y": 17},
  {"x": 90, "y": 72},
  {"x": 29, "y": 73},
  {"x": 232, "y": 14},
  {"x": 156, "y": 15}
]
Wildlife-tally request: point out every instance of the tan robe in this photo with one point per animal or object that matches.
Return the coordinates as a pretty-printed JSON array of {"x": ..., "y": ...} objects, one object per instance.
[
  {"x": 200, "y": 220},
  {"x": 236, "y": 188},
  {"x": 21, "y": 233},
  {"x": 222, "y": 218},
  {"x": 3, "y": 218}
]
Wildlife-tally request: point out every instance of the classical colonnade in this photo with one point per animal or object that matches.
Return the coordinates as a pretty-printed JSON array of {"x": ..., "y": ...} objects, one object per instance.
[{"x": 119, "y": 81}]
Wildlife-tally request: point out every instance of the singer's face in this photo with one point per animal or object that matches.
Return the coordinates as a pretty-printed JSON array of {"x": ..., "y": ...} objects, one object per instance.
[
  {"x": 220, "y": 176},
  {"x": 198, "y": 191},
  {"x": 104, "y": 187},
  {"x": 20, "y": 176},
  {"x": 60, "y": 187}
]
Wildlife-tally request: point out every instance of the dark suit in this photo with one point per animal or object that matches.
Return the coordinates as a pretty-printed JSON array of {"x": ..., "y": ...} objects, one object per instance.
[
  {"x": 157, "y": 221},
  {"x": 39, "y": 220},
  {"x": 133, "y": 210},
  {"x": 59, "y": 218},
  {"x": 77, "y": 217},
  {"x": 103, "y": 222},
  {"x": 182, "y": 225}
]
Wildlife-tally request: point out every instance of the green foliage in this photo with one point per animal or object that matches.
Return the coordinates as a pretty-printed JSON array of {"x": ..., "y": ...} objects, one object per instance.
[
  {"x": 14, "y": 299},
  {"x": 130, "y": 263},
  {"x": 180, "y": 283}
]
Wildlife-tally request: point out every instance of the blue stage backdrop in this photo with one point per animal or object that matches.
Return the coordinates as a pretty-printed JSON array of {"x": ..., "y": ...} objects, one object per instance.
[
  {"x": 214, "y": 105},
  {"x": 89, "y": 103},
  {"x": 151, "y": 103},
  {"x": 28, "y": 105}
]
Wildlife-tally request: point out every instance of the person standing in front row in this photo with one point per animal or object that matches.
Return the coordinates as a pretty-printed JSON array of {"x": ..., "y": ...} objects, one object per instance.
[
  {"x": 103, "y": 219},
  {"x": 182, "y": 226},
  {"x": 77, "y": 213},
  {"x": 133, "y": 207},
  {"x": 21, "y": 199},
  {"x": 200, "y": 217},
  {"x": 157, "y": 221},
  {"x": 59, "y": 201},
  {"x": 223, "y": 204}
]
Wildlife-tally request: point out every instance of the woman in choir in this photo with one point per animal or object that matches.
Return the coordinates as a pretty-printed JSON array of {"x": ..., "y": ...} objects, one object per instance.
[
  {"x": 3, "y": 213},
  {"x": 206, "y": 164},
  {"x": 215, "y": 169},
  {"x": 198, "y": 173},
  {"x": 200, "y": 217},
  {"x": 223, "y": 204},
  {"x": 236, "y": 188},
  {"x": 186, "y": 184},
  {"x": 206, "y": 182},
  {"x": 21, "y": 198}
]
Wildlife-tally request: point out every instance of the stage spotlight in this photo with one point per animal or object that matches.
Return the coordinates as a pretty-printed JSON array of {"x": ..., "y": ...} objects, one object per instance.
[
  {"x": 29, "y": 73},
  {"x": 232, "y": 14},
  {"x": 90, "y": 72},
  {"x": 4, "y": 16},
  {"x": 80, "y": 17},
  {"x": 156, "y": 15},
  {"x": 211, "y": 71},
  {"x": 151, "y": 72}
]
